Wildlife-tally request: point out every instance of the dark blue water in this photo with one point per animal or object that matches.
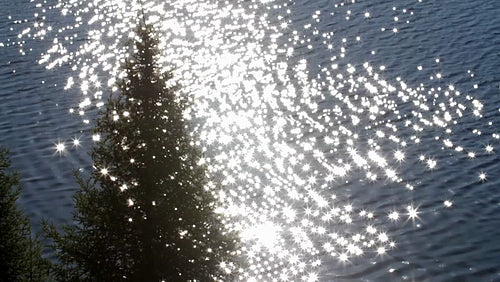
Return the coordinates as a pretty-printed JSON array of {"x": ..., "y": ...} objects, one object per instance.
[
  {"x": 457, "y": 243},
  {"x": 34, "y": 116}
]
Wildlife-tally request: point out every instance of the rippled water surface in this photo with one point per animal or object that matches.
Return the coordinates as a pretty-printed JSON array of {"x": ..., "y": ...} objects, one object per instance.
[{"x": 355, "y": 140}]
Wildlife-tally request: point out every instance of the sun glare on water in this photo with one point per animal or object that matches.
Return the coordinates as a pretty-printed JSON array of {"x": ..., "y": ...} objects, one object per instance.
[{"x": 281, "y": 153}]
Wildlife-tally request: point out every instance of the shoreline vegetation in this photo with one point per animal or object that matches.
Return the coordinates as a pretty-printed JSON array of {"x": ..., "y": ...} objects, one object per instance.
[
  {"x": 20, "y": 252},
  {"x": 147, "y": 210}
]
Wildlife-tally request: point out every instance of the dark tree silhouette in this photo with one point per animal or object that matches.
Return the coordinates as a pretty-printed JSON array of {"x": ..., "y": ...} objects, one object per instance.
[
  {"x": 146, "y": 213},
  {"x": 20, "y": 253}
]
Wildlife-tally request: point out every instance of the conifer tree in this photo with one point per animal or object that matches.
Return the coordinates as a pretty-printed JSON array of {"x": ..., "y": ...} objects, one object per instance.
[
  {"x": 20, "y": 253},
  {"x": 146, "y": 213}
]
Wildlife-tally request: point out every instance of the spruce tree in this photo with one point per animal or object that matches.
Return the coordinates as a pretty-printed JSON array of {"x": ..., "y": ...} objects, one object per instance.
[
  {"x": 146, "y": 213},
  {"x": 20, "y": 253}
]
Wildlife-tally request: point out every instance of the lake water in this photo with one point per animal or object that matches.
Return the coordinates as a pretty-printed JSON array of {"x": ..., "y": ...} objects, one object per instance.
[{"x": 356, "y": 140}]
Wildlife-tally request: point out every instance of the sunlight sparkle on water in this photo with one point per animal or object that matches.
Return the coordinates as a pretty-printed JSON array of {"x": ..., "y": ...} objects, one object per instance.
[
  {"x": 448, "y": 203},
  {"x": 412, "y": 213},
  {"x": 482, "y": 176},
  {"x": 60, "y": 147},
  {"x": 283, "y": 142}
]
